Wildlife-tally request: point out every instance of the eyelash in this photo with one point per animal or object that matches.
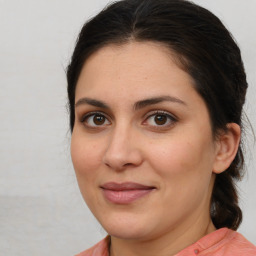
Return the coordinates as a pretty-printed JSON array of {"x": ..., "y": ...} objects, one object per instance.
[
  {"x": 93, "y": 114},
  {"x": 167, "y": 115},
  {"x": 170, "y": 119}
]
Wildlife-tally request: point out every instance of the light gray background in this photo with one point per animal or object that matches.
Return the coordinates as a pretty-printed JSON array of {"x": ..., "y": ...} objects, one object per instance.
[{"x": 41, "y": 210}]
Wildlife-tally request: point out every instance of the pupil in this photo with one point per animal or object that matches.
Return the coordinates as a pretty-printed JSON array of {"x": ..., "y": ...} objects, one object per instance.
[
  {"x": 99, "y": 119},
  {"x": 160, "y": 119}
]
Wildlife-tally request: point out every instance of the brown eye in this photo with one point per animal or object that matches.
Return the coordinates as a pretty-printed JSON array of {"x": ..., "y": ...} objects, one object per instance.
[
  {"x": 95, "y": 120},
  {"x": 160, "y": 119},
  {"x": 99, "y": 119}
]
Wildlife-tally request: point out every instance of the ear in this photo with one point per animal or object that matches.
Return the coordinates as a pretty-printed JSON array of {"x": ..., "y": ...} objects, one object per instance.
[{"x": 226, "y": 147}]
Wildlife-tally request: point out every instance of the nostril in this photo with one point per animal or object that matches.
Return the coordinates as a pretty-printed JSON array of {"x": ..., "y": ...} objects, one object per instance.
[
  {"x": 107, "y": 164},
  {"x": 128, "y": 164},
  {"x": 118, "y": 166}
]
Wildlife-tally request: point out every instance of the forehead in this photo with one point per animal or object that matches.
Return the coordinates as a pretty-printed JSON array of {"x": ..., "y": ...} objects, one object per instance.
[{"x": 134, "y": 66}]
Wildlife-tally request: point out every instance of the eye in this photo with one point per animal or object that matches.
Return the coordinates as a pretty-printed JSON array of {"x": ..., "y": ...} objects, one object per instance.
[
  {"x": 160, "y": 119},
  {"x": 95, "y": 120}
]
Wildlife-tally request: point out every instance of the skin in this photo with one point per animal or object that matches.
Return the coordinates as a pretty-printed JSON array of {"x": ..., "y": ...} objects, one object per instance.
[{"x": 179, "y": 157}]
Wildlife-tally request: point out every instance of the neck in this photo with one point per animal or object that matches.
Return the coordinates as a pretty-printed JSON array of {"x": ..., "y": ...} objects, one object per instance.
[{"x": 167, "y": 244}]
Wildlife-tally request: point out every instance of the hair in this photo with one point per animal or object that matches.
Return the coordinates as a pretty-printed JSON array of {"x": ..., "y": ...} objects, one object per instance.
[{"x": 203, "y": 47}]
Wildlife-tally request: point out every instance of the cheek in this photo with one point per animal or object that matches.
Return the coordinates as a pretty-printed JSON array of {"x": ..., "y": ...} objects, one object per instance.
[
  {"x": 185, "y": 169},
  {"x": 85, "y": 157},
  {"x": 182, "y": 157}
]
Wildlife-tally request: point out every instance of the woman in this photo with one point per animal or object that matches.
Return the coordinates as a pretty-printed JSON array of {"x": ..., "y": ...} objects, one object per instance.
[{"x": 156, "y": 90}]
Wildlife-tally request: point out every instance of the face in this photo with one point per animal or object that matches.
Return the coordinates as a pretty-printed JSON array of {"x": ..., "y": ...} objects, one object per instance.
[{"x": 142, "y": 144}]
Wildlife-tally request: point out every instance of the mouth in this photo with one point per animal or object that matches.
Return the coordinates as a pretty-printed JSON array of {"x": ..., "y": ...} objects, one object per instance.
[{"x": 125, "y": 193}]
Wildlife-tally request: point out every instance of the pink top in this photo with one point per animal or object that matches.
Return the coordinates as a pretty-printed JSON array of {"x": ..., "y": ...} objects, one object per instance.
[{"x": 222, "y": 242}]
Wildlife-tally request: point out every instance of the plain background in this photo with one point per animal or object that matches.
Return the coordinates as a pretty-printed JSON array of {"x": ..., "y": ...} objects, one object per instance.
[{"x": 41, "y": 210}]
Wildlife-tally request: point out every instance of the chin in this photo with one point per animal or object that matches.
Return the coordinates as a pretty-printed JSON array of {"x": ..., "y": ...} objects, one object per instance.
[{"x": 125, "y": 227}]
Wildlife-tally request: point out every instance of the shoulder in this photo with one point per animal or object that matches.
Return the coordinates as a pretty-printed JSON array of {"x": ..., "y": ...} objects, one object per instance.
[
  {"x": 232, "y": 244},
  {"x": 222, "y": 242},
  {"x": 99, "y": 249},
  {"x": 241, "y": 245}
]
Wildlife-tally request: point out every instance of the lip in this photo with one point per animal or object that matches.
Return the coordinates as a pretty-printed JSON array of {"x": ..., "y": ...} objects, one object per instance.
[{"x": 125, "y": 193}]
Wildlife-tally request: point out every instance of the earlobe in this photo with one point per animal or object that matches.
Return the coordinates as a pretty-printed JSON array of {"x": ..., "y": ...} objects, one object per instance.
[{"x": 227, "y": 146}]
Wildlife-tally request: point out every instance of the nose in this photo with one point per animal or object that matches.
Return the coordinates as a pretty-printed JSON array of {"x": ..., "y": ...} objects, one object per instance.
[{"x": 122, "y": 150}]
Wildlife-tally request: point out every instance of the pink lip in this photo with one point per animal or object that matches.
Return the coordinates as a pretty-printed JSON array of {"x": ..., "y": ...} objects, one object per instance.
[{"x": 125, "y": 193}]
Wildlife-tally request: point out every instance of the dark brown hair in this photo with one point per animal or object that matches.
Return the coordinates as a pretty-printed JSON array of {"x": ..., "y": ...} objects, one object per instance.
[{"x": 205, "y": 50}]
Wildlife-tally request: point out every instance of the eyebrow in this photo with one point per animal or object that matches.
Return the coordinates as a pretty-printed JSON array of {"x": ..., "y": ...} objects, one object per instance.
[
  {"x": 92, "y": 102},
  {"x": 151, "y": 101},
  {"x": 138, "y": 105}
]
